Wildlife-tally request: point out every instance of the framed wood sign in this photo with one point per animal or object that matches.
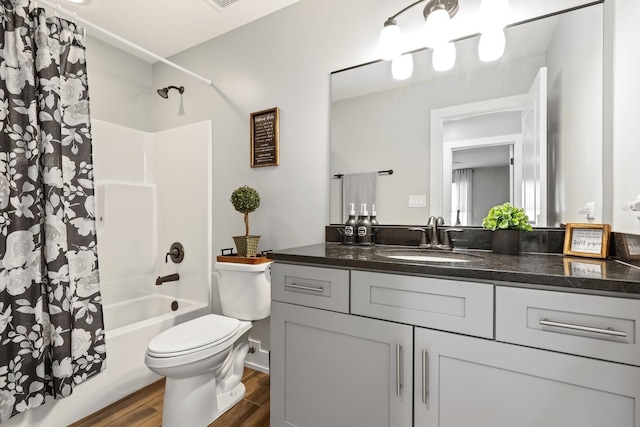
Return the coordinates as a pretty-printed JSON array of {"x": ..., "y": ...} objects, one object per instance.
[
  {"x": 627, "y": 246},
  {"x": 265, "y": 138},
  {"x": 587, "y": 240}
]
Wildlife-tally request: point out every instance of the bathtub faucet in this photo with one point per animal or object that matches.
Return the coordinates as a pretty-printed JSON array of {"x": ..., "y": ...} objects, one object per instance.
[{"x": 170, "y": 278}]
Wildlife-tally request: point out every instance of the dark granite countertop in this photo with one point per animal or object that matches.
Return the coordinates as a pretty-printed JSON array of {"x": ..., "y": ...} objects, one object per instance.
[{"x": 549, "y": 271}]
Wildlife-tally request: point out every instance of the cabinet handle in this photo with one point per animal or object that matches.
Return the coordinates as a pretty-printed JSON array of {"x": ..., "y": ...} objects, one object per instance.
[
  {"x": 304, "y": 288},
  {"x": 398, "y": 370},
  {"x": 425, "y": 375},
  {"x": 609, "y": 331}
]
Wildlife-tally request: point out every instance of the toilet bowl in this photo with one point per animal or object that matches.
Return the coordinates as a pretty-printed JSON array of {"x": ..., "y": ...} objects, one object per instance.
[{"x": 203, "y": 359}]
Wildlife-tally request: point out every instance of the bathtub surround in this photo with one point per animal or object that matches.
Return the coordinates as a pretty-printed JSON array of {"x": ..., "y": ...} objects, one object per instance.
[{"x": 51, "y": 327}]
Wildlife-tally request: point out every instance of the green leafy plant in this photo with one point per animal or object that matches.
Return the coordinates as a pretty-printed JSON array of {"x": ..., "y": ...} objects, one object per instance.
[
  {"x": 245, "y": 200},
  {"x": 506, "y": 217}
]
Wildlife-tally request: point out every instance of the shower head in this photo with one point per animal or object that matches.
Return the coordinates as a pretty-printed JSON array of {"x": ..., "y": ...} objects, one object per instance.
[{"x": 164, "y": 92}]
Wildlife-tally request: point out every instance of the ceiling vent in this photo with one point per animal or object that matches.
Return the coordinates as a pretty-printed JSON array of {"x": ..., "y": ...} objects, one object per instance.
[{"x": 221, "y": 4}]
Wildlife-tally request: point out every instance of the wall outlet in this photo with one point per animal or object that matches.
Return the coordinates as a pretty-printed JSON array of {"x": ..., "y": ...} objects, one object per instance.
[{"x": 418, "y": 201}]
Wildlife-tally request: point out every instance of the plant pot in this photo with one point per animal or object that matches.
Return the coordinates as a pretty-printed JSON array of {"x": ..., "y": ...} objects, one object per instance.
[
  {"x": 506, "y": 242},
  {"x": 246, "y": 245}
]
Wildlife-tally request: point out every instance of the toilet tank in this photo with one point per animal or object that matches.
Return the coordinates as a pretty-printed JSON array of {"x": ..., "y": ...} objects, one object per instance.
[{"x": 245, "y": 290}]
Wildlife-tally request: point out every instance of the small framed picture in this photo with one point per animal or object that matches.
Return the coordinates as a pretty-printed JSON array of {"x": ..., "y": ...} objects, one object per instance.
[
  {"x": 587, "y": 240},
  {"x": 627, "y": 246}
]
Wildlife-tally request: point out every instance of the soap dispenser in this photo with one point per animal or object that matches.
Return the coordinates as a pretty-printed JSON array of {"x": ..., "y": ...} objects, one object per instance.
[
  {"x": 350, "y": 227},
  {"x": 372, "y": 217},
  {"x": 364, "y": 226}
]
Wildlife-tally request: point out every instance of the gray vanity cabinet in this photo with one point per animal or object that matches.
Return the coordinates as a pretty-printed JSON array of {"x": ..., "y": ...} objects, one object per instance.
[
  {"x": 361, "y": 348},
  {"x": 467, "y": 381}
]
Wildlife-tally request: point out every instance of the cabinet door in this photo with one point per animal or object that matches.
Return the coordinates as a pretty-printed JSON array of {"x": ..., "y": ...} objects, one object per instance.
[
  {"x": 332, "y": 369},
  {"x": 481, "y": 383}
]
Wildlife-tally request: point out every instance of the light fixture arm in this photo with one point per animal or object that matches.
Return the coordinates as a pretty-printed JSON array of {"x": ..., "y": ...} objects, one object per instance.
[
  {"x": 451, "y": 6},
  {"x": 392, "y": 18}
]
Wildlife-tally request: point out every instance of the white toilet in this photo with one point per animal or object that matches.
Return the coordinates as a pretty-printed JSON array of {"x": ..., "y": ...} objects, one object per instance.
[{"x": 203, "y": 359}]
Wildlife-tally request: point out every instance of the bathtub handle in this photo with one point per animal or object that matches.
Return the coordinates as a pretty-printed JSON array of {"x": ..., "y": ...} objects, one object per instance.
[{"x": 176, "y": 252}]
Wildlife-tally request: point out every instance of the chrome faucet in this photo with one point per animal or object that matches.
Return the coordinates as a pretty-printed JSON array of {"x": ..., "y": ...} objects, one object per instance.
[
  {"x": 170, "y": 278},
  {"x": 433, "y": 224},
  {"x": 430, "y": 235}
]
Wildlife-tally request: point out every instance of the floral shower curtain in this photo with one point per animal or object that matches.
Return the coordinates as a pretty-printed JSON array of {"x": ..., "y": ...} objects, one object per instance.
[{"x": 51, "y": 326}]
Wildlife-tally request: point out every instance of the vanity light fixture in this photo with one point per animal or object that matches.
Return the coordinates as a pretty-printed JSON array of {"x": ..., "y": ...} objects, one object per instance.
[
  {"x": 437, "y": 15},
  {"x": 493, "y": 18},
  {"x": 437, "y": 35},
  {"x": 402, "y": 67}
]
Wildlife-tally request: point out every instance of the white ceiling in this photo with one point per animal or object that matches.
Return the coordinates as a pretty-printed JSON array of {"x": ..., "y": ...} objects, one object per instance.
[{"x": 166, "y": 27}]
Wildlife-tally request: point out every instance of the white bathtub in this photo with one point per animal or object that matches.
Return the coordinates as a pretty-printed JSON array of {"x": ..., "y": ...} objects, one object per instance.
[
  {"x": 129, "y": 325},
  {"x": 120, "y": 318}
]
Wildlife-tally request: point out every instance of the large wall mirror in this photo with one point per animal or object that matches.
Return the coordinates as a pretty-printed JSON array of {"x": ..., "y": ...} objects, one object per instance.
[{"x": 526, "y": 128}]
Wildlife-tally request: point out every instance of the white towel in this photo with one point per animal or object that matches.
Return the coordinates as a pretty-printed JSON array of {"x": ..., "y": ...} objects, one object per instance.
[{"x": 358, "y": 188}]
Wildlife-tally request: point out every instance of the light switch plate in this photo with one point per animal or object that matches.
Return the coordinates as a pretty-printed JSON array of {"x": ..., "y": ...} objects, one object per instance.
[{"x": 417, "y": 200}]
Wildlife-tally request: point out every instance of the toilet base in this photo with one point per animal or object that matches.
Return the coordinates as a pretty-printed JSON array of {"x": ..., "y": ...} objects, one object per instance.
[
  {"x": 198, "y": 400},
  {"x": 193, "y": 405},
  {"x": 230, "y": 398}
]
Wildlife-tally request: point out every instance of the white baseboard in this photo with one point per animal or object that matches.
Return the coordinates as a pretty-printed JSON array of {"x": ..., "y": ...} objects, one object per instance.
[{"x": 259, "y": 360}]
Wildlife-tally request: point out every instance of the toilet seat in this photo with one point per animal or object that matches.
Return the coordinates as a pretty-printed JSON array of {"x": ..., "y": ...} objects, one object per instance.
[{"x": 193, "y": 336}]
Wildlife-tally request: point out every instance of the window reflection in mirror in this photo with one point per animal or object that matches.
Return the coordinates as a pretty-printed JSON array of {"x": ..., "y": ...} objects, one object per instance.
[{"x": 379, "y": 124}]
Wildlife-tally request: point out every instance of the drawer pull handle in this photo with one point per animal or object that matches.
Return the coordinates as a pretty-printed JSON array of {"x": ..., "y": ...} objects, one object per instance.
[
  {"x": 613, "y": 332},
  {"x": 425, "y": 373},
  {"x": 304, "y": 288},
  {"x": 398, "y": 370}
]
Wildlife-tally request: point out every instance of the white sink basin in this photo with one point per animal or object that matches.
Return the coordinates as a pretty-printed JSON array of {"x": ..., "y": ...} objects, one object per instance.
[{"x": 426, "y": 255}]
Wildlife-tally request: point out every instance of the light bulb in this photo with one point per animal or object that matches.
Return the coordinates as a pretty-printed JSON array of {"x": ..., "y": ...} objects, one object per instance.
[
  {"x": 437, "y": 29},
  {"x": 491, "y": 46},
  {"x": 402, "y": 67},
  {"x": 493, "y": 14},
  {"x": 389, "y": 41},
  {"x": 444, "y": 57}
]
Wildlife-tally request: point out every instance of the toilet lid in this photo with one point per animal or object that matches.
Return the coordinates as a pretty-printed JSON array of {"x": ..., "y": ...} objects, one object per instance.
[{"x": 203, "y": 331}]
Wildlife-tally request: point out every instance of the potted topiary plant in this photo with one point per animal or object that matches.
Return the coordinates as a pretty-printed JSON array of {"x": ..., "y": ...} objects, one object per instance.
[
  {"x": 246, "y": 200},
  {"x": 506, "y": 222}
]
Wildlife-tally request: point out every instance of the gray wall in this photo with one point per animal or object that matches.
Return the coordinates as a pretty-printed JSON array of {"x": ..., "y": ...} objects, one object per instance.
[
  {"x": 121, "y": 86},
  {"x": 490, "y": 188},
  {"x": 578, "y": 90}
]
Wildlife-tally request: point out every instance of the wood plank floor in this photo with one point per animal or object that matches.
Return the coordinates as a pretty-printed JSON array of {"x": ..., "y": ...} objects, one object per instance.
[{"x": 144, "y": 408}]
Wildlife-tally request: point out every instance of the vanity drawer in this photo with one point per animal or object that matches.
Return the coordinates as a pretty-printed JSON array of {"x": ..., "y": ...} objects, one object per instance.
[
  {"x": 587, "y": 325},
  {"x": 325, "y": 288},
  {"x": 448, "y": 305}
]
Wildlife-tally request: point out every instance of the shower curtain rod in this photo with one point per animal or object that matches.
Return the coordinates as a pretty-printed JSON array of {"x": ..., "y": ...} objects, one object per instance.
[{"x": 74, "y": 16}]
